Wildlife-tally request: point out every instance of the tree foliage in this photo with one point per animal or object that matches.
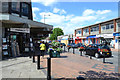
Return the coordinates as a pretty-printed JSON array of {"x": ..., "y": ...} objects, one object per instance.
[{"x": 56, "y": 32}]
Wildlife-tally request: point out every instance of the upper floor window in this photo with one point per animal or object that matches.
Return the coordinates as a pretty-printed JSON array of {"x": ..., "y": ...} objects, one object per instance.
[
  {"x": 103, "y": 28},
  {"x": 16, "y": 6},
  {"x": 112, "y": 26},
  {"x": 93, "y": 29},
  {"x": 79, "y": 32},
  {"x": 118, "y": 24},
  {"x": 86, "y": 30},
  {"x": 25, "y": 9},
  {"x": 107, "y": 26}
]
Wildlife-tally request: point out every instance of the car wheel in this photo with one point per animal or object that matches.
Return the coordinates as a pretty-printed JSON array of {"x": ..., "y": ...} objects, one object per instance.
[{"x": 97, "y": 55}]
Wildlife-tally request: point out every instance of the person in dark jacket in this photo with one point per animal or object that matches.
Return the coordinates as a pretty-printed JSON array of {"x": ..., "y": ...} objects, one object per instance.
[{"x": 47, "y": 46}]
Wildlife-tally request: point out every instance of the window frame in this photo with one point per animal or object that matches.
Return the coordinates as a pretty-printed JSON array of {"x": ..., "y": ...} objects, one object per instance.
[
  {"x": 107, "y": 26},
  {"x": 15, "y": 11},
  {"x": 22, "y": 13}
]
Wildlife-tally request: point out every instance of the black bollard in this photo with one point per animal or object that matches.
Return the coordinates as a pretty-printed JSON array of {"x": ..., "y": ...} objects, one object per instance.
[
  {"x": 33, "y": 58},
  {"x": 30, "y": 55},
  {"x": 90, "y": 57},
  {"x": 104, "y": 59},
  {"x": 73, "y": 51},
  {"x": 80, "y": 53},
  {"x": 48, "y": 68},
  {"x": 68, "y": 49},
  {"x": 38, "y": 62}
]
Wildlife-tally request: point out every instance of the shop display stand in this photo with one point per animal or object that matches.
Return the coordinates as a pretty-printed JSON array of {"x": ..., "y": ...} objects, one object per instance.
[{"x": 5, "y": 53}]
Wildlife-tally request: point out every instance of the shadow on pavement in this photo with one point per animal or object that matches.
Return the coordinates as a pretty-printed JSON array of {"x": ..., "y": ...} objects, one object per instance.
[
  {"x": 92, "y": 75},
  {"x": 109, "y": 62}
]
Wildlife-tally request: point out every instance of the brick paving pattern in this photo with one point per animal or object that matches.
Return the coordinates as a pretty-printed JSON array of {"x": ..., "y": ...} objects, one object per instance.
[{"x": 72, "y": 65}]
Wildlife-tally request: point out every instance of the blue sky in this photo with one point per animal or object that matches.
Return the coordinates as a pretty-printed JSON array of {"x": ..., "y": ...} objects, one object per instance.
[{"x": 72, "y": 15}]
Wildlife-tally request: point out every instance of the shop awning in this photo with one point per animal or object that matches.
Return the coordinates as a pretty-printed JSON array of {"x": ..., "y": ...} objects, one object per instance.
[
  {"x": 15, "y": 25},
  {"x": 8, "y": 18},
  {"x": 116, "y": 34},
  {"x": 80, "y": 37},
  {"x": 93, "y": 36}
]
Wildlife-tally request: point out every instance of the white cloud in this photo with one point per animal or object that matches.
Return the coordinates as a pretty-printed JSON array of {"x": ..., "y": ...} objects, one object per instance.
[
  {"x": 103, "y": 17},
  {"x": 70, "y": 22},
  {"x": 88, "y": 12},
  {"x": 35, "y": 9},
  {"x": 56, "y": 10},
  {"x": 103, "y": 11},
  {"x": 80, "y": 19},
  {"x": 45, "y": 2},
  {"x": 53, "y": 18},
  {"x": 63, "y": 11},
  {"x": 60, "y": 11}
]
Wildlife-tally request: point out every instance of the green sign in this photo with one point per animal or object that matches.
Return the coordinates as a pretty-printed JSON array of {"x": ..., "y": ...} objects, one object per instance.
[{"x": 14, "y": 37}]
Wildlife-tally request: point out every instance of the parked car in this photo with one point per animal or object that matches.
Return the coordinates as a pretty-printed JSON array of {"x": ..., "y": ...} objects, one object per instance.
[{"x": 98, "y": 50}]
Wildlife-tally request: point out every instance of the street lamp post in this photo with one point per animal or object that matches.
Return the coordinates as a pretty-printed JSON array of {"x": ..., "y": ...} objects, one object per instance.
[{"x": 44, "y": 17}]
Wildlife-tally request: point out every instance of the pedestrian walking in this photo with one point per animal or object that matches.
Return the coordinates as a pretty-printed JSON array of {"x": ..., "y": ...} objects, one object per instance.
[
  {"x": 47, "y": 46},
  {"x": 42, "y": 49},
  {"x": 36, "y": 48}
]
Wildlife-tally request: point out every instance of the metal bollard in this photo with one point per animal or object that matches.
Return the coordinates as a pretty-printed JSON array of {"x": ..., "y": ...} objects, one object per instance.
[
  {"x": 48, "y": 68},
  {"x": 73, "y": 51},
  {"x": 30, "y": 55},
  {"x": 90, "y": 57},
  {"x": 33, "y": 58},
  {"x": 38, "y": 62},
  {"x": 104, "y": 59},
  {"x": 68, "y": 49},
  {"x": 80, "y": 53}
]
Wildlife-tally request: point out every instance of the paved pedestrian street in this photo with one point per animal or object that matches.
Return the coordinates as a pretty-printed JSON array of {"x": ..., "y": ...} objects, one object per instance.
[
  {"x": 21, "y": 67},
  {"x": 67, "y": 66},
  {"x": 72, "y": 65}
]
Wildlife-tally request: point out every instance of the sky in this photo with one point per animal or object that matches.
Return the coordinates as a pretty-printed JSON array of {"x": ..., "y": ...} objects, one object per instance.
[{"x": 72, "y": 15}]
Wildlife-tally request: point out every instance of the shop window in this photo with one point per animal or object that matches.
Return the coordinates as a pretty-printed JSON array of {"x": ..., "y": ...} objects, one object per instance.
[
  {"x": 25, "y": 9},
  {"x": 16, "y": 6}
]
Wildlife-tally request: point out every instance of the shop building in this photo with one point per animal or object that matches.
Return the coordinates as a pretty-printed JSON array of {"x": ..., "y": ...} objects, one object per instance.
[
  {"x": 109, "y": 30},
  {"x": 63, "y": 39},
  {"x": 19, "y": 31},
  {"x": 67, "y": 39}
]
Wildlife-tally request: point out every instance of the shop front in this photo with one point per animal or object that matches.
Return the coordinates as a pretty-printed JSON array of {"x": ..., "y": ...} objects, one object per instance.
[
  {"x": 80, "y": 40},
  {"x": 93, "y": 39},
  {"x": 18, "y": 35},
  {"x": 15, "y": 39}
]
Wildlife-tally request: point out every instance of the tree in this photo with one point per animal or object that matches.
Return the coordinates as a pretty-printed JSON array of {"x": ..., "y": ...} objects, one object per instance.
[{"x": 56, "y": 32}]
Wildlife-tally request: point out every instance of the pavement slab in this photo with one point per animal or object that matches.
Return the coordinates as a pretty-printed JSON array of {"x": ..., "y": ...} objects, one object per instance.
[{"x": 21, "y": 68}]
